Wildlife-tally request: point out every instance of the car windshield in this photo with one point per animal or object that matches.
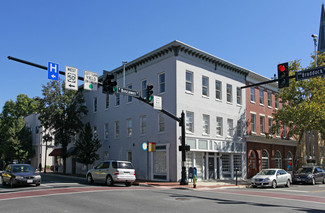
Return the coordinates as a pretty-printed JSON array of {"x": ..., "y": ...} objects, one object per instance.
[
  {"x": 305, "y": 170},
  {"x": 122, "y": 165},
  {"x": 22, "y": 168},
  {"x": 267, "y": 172}
]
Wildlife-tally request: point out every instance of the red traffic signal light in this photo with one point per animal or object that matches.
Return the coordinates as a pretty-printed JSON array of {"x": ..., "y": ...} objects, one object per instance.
[
  {"x": 283, "y": 75},
  {"x": 281, "y": 67}
]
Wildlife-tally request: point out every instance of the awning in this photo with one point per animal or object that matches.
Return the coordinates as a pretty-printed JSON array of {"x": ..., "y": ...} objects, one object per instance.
[{"x": 56, "y": 152}]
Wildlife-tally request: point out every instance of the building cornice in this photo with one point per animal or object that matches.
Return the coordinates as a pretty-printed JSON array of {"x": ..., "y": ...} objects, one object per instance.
[
  {"x": 174, "y": 49},
  {"x": 273, "y": 141}
]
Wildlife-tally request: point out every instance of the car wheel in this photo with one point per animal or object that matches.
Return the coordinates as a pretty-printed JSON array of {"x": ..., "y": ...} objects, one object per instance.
[
  {"x": 313, "y": 182},
  {"x": 273, "y": 184},
  {"x": 37, "y": 184},
  {"x": 128, "y": 184},
  {"x": 109, "y": 180},
  {"x": 288, "y": 183},
  {"x": 324, "y": 180},
  {"x": 12, "y": 183},
  {"x": 254, "y": 186},
  {"x": 90, "y": 179},
  {"x": 4, "y": 183}
]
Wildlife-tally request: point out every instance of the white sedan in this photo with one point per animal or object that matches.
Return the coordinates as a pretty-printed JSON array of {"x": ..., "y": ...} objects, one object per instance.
[{"x": 272, "y": 178}]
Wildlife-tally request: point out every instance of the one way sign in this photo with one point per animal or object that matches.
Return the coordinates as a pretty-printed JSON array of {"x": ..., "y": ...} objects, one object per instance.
[{"x": 53, "y": 71}]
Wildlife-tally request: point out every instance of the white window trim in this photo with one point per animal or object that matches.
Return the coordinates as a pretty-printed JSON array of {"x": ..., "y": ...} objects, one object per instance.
[
  {"x": 192, "y": 83},
  {"x": 207, "y": 87},
  {"x": 159, "y": 92},
  {"x": 254, "y": 113},
  {"x": 218, "y": 99}
]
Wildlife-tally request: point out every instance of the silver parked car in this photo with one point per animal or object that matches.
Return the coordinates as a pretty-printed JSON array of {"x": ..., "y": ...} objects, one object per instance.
[
  {"x": 112, "y": 171},
  {"x": 272, "y": 178}
]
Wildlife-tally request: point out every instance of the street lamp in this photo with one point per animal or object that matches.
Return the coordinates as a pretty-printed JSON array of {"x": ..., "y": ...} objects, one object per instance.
[
  {"x": 315, "y": 43},
  {"x": 124, "y": 62}
]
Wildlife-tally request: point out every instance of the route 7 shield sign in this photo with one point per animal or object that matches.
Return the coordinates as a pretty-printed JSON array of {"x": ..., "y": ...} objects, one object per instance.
[{"x": 53, "y": 71}]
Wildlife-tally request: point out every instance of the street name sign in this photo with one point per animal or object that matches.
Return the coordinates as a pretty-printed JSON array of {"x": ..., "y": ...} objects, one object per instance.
[
  {"x": 90, "y": 80},
  {"x": 128, "y": 92},
  {"x": 157, "y": 102},
  {"x": 53, "y": 71},
  {"x": 310, "y": 73},
  {"x": 71, "y": 78}
]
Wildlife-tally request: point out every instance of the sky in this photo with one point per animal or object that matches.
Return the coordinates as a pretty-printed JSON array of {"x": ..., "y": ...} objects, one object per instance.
[{"x": 98, "y": 35}]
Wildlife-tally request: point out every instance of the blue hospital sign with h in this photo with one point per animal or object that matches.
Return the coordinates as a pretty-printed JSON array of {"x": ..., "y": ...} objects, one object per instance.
[{"x": 53, "y": 71}]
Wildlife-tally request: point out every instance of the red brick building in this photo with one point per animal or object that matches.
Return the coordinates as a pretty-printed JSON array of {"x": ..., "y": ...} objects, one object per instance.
[{"x": 265, "y": 150}]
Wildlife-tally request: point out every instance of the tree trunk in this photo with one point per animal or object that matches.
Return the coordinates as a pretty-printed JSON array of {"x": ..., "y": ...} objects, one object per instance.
[{"x": 298, "y": 158}]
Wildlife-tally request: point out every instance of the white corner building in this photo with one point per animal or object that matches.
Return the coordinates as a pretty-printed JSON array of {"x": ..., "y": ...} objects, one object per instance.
[{"x": 205, "y": 87}]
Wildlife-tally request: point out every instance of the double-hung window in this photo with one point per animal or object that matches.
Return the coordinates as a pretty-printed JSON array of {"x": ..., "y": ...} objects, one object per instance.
[
  {"x": 206, "y": 124},
  {"x": 252, "y": 94},
  {"x": 130, "y": 97},
  {"x": 239, "y": 99},
  {"x": 239, "y": 128},
  {"x": 129, "y": 127},
  {"x": 230, "y": 130},
  {"x": 269, "y": 99},
  {"x": 253, "y": 123},
  {"x": 218, "y": 90},
  {"x": 161, "y": 123},
  {"x": 189, "y": 81},
  {"x": 205, "y": 86},
  {"x": 261, "y": 97},
  {"x": 143, "y": 124},
  {"x": 143, "y": 88},
  {"x": 270, "y": 125},
  {"x": 190, "y": 122},
  {"x": 229, "y": 93},
  {"x": 262, "y": 125},
  {"x": 162, "y": 82},
  {"x": 219, "y": 127}
]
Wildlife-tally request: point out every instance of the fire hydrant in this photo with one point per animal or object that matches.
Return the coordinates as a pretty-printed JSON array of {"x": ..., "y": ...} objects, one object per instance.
[{"x": 194, "y": 181}]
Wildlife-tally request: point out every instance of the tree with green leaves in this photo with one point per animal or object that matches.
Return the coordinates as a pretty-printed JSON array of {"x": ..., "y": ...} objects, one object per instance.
[
  {"x": 61, "y": 113},
  {"x": 15, "y": 137},
  {"x": 87, "y": 146},
  {"x": 303, "y": 104}
]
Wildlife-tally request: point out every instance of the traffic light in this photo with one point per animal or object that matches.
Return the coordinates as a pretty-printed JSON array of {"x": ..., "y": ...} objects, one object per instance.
[
  {"x": 283, "y": 75},
  {"x": 109, "y": 84},
  {"x": 149, "y": 92}
]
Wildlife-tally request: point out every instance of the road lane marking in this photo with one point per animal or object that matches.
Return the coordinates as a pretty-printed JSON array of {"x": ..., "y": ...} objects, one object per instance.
[
  {"x": 281, "y": 196},
  {"x": 61, "y": 191}
]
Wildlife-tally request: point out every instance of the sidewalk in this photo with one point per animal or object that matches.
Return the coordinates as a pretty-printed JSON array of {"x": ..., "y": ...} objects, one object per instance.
[
  {"x": 200, "y": 184},
  {"x": 242, "y": 183}
]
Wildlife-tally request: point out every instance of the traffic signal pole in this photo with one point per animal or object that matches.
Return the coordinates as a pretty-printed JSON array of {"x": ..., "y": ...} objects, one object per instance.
[
  {"x": 182, "y": 124},
  {"x": 180, "y": 120}
]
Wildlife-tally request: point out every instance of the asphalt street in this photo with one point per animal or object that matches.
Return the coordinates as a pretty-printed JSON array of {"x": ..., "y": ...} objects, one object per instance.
[{"x": 70, "y": 195}]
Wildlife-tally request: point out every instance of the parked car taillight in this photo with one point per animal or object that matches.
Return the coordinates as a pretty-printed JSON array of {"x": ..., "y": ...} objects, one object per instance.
[{"x": 116, "y": 172}]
